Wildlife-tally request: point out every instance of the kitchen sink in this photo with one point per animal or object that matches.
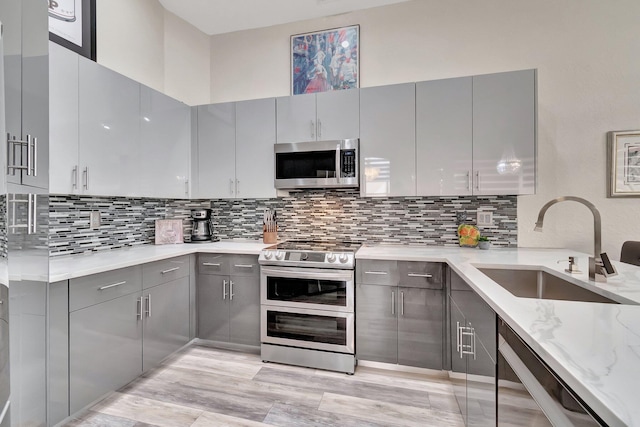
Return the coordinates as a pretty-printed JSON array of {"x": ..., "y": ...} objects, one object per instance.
[{"x": 541, "y": 285}]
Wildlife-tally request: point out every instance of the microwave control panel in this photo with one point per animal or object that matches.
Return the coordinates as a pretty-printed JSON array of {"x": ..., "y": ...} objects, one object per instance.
[{"x": 349, "y": 163}]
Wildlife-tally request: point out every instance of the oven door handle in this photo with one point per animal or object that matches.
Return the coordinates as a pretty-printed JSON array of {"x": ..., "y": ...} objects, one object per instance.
[{"x": 308, "y": 273}]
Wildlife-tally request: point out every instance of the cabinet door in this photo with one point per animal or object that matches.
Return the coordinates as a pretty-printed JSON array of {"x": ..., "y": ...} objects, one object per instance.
[
  {"x": 245, "y": 310},
  {"x": 458, "y": 361},
  {"x": 504, "y": 134},
  {"x": 420, "y": 327},
  {"x": 110, "y": 155},
  {"x": 166, "y": 320},
  {"x": 377, "y": 323},
  {"x": 63, "y": 120},
  {"x": 255, "y": 138},
  {"x": 213, "y": 307},
  {"x": 217, "y": 151},
  {"x": 165, "y": 144},
  {"x": 338, "y": 114},
  {"x": 296, "y": 118},
  {"x": 444, "y": 137},
  {"x": 388, "y": 140},
  {"x": 105, "y": 349}
]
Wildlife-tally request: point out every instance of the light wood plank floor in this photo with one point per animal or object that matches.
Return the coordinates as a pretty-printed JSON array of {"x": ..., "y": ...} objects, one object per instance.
[{"x": 202, "y": 386}]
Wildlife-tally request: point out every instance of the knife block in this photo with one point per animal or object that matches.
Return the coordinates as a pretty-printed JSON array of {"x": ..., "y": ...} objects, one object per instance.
[{"x": 269, "y": 236}]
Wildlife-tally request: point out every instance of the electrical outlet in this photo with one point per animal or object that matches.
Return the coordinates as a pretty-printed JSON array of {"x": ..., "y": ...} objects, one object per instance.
[
  {"x": 94, "y": 221},
  {"x": 484, "y": 218}
]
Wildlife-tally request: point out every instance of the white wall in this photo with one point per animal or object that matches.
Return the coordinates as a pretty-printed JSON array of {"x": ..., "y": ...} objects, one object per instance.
[
  {"x": 143, "y": 41},
  {"x": 586, "y": 53}
]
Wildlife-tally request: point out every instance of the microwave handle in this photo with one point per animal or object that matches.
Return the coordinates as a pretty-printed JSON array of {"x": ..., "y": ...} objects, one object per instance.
[{"x": 338, "y": 159}]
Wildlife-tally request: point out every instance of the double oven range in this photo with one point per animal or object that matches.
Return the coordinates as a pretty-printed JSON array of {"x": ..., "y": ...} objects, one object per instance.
[{"x": 307, "y": 305}]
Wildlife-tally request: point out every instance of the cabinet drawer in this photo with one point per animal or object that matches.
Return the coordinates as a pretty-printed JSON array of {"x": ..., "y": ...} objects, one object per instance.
[
  {"x": 376, "y": 272},
  {"x": 244, "y": 265},
  {"x": 426, "y": 275},
  {"x": 90, "y": 290},
  {"x": 213, "y": 264},
  {"x": 155, "y": 273}
]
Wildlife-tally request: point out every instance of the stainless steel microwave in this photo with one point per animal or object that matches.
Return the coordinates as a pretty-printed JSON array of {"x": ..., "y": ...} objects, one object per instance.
[{"x": 317, "y": 164}]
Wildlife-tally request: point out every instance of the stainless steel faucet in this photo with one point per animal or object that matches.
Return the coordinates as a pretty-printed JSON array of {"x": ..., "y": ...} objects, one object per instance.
[{"x": 596, "y": 266}]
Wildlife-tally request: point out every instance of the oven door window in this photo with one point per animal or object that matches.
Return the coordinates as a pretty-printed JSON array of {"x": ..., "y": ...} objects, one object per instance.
[
  {"x": 307, "y": 291},
  {"x": 307, "y": 327},
  {"x": 308, "y": 164}
]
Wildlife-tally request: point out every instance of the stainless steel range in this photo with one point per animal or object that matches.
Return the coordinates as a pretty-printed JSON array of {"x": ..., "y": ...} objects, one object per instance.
[{"x": 307, "y": 304}]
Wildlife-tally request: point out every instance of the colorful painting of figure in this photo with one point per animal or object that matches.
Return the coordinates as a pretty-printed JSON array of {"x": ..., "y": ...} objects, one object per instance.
[{"x": 325, "y": 60}]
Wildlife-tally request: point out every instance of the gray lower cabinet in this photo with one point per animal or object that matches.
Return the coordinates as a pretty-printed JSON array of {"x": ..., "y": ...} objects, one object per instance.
[
  {"x": 400, "y": 318},
  {"x": 105, "y": 349},
  {"x": 166, "y": 320},
  {"x": 229, "y": 299},
  {"x": 473, "y": 353}
]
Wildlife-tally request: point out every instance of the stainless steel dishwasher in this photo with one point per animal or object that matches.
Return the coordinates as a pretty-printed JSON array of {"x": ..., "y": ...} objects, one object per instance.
[{"x": 529, "y": 393}]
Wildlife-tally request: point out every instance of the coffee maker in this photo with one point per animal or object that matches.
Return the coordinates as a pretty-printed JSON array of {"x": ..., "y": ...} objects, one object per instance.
[{"x": 201, "y": 230}]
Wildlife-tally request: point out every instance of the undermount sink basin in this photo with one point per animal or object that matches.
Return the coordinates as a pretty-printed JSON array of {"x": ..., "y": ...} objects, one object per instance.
[{"x": 541, "y": 285}]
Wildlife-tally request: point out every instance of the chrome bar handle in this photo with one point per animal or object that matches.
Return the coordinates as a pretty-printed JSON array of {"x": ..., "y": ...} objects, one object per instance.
[
  {"x": 33, "y": 229},
  {"x": 170, "y": 270},
  {"x": 469, "y": 180},
  {"x": 186, "y": 187},
  {"x": 477, "y": 180},
  {"x": 231, "y": 187},
  {"x": 459, "y": 339},
  {"x": 148, "y": 310},
  {"x": 29, "y": 213},
  {"x": 224, "y": 289},
  {"x": 319, "y": 129},
  {"x": 211, "y": 264},
  {"x": 113, "y": 285},
  {"x": 85, "y": 178},
  {"x": 393, "y": 303},
  {"x": 313, "y": 130},
  {"x": 427, "y": 276},
  {"x": 35, "y": 156},
  {"x": 139, "y": 308},
  {"x": 29, "y": 154},
  {"x": 230, "y": 290},
  {"x": 237, "y": 187},
  {"x": 74, "y": 179},
  {"x": 8, "y": 153},
  {"x": 243, "y": 265},
  {"x": 377, "y": 273},
  {"x": 338, "y": 171},
  {"x": 402, "y": 303}
]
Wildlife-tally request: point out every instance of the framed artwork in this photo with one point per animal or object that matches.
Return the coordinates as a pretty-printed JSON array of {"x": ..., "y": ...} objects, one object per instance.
[
  {"x": 624, "y": 164},
  {"x": 325, "y": 60},
  {"x": 72, "y": 24},
  {"x": 169, "y": 231}
]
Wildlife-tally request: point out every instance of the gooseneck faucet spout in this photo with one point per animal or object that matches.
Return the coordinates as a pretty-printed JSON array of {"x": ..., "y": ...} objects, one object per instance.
[{"x": 596, "y": 270}]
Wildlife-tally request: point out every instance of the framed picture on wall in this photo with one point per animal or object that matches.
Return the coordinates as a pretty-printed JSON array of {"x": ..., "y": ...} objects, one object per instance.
[
  {"x": 624, "y": 164},
  {"x": 325, "y": 60},
  {"x": 72, "y": 24}
]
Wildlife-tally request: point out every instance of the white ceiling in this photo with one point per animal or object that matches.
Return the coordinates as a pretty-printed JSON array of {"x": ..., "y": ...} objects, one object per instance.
[{"x": 224, "y": 16}]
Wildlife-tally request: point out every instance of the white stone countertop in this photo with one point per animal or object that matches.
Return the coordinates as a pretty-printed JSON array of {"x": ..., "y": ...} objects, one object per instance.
[
  {"x": 593, "y": 347},
  {"x": 73, "y": 266}
]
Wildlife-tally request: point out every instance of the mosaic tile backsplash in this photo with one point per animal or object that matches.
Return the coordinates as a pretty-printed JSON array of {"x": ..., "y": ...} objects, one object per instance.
[{"x": 306, "y": 215}]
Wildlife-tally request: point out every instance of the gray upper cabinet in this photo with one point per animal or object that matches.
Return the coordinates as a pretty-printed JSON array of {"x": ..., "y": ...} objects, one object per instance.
[
  {"x": 318, "y": 117},
  {"x": 26, "y": 92},
  {"x": 165, "y": 138},
  {"x": 217, "y": 150},
  {"x": 109, "y": 116},
  {"x": 444, "y": 137},
  {"x": 388, "y": 140},
  {"x": 504, "y": 133},
  {"x": 63, "y": 116},
  {"x": 255, "y": 137}
]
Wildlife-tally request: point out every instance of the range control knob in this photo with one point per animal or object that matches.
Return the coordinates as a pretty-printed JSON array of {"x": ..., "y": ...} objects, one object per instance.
[
  {"x": 279, "y": 255},
  {"x": 343, "y": 258},
  {"x": 331, "y": 257},
  {"x": 268, "y": 254}
]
